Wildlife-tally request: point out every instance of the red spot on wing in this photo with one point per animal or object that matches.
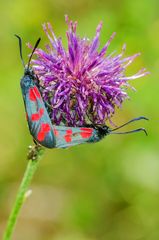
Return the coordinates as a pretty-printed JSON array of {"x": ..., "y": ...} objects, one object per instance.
[
  {"x": 56, "y": 132},
  {"x": 68, "y": 136},
  {"x": 41, "y": 136},
  {"x": 38, "y": 115},
  {"x": 41, "y": 112},
  {"x": 69, "y": 131},
  {"x": 34, "y": 94},
  {"x": 35, "y": 117},
  {"x": 86, "y": 132},
  {"x": 37, "y": 93},
  {"x": 44, "y": 129},
  {"x": 87, "y": 129}
]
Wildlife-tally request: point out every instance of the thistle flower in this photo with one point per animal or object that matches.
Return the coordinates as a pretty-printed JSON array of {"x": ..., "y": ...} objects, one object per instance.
[{"x": 82, "y": 83}]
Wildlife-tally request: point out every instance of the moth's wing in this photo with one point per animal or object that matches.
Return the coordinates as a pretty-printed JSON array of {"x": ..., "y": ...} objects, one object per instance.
[
  {"x": 70, "y": 136},
  {"x": 39, "y": 122}
]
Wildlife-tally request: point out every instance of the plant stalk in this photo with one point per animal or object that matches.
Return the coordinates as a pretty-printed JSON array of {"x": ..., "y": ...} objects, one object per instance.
[{"x": 33, "y": 157}]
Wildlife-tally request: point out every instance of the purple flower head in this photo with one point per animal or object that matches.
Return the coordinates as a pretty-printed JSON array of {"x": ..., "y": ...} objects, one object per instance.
[{"x": 82, "y": 83}]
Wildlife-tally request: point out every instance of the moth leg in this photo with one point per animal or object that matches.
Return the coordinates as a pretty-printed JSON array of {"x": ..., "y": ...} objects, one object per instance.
[
  {"x": 35, "y": 141},
  {"x": 48, "y": 105}
]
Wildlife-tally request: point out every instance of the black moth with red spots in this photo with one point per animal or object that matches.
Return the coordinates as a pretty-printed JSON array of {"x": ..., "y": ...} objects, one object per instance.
[{"x": 40, "y": 125}]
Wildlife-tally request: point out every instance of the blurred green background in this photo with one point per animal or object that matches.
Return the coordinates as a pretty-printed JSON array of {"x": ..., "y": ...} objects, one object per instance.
[{"x": 108, "y": 190}]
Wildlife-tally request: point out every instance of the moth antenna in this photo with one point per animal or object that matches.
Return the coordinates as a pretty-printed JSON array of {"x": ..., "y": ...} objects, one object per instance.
[
  {"x": 132, "y": 120},
  {"x": 20, "y": 49},
  {"x": 132, "y": 131},
  {"x": 36, "y": 45}
]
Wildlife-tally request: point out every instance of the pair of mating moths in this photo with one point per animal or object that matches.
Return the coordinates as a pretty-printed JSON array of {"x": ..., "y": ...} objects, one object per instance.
[{"x": 40, "y": 125}]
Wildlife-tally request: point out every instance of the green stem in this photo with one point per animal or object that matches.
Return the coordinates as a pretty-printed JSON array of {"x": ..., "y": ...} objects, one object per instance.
[{"x": 33, "y": 157}]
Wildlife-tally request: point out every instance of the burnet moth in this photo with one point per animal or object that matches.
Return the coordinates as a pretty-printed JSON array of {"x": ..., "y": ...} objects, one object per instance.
[{"x": 39, "y": 122}]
